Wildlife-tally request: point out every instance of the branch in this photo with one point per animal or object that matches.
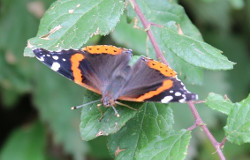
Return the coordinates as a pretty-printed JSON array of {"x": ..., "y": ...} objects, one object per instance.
[
  {"x": 159, "y": 55},
  {"x": 146, "y": 24},
  {"x": 199, "y": 122}
]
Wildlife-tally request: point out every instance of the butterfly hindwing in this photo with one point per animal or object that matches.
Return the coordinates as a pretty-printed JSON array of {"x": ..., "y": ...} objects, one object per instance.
[{"x": 154, "y": 81}]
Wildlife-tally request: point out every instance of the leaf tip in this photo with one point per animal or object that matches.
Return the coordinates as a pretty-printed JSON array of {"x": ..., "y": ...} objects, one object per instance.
[{"x": 29, "y": 45}]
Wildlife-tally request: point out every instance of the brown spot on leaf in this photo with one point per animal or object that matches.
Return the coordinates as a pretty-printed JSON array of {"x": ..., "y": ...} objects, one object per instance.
[
  {"x": 97, "y": 31},
  {"x": 46, "y": 37},
  {"x": 71, "y": 11},
  {"x": 118, "y": 150},
  {"x": 100, "y": 133},
  {"x": 136, "y": 23},
  {"x": 29, "y": 45},
  {"x": 179, "y": 30}
]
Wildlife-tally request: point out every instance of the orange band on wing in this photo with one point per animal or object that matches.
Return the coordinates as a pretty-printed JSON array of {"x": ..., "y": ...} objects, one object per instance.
[
  {"x": 100, "y": 49},
  {"x": 78, "y": 78},
  {"x": 165, "y": 85},
  {"x": 164, "y": 69},
  {"x": 75, "y": 61}
]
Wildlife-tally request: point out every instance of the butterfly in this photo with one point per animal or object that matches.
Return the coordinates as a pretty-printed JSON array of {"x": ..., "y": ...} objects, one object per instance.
[{"x": 105, "y": 70}]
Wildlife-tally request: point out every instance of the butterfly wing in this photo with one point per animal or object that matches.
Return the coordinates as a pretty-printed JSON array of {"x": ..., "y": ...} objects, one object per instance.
[
  {"x": 90, "y": 67},
  {"x": 154, "y": 81}
]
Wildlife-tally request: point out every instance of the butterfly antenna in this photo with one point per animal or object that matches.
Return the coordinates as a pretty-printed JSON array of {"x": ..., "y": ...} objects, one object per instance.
[
  {"x": 85, "y": 104},
  {"x": 125, "y": 105},
  {"x": 116, "y": 113}
]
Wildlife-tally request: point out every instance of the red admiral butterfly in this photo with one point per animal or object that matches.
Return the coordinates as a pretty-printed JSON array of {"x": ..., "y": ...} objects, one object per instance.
[{"x": 105, "y": 70}]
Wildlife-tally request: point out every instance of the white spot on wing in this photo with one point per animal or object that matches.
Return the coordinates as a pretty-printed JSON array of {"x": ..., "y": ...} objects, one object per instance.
[
  {"x": 171, "y": 91},
  {"x": 182, "y": 100},
  {"x": 166, "y": 99},
  {"x": 55, "y": 57},
  {"x": 55, "y": 66},
  {"x": 196, "y": 97},
  {"x": 40, "y": 58},
  {"x": 64, "y": 59},
  {"x": 177, "y": 94}
]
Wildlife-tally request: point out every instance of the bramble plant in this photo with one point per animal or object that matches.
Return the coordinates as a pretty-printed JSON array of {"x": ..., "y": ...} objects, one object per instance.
[{"x": 157, "y": 29}]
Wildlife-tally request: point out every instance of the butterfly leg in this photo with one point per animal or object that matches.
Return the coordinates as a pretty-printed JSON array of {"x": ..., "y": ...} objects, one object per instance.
[
  {"x": 116, "y": 113},
  {"x": 125, "y": 105}
]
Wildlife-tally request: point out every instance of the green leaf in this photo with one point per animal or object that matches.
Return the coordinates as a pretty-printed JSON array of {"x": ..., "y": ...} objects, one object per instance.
[
  {"x": 219, "y": 103},
  {"x": 238, "y": 123},
  {"x": 70, "y": 23},
  {"x": 170, "y": 146},
  {"x": 180, "y": 36},
  {"x": 91, "y": 127},
  {"x": 162, "y": 12},
  {"x": 153, "y": 122},
  {"x": 185, "y": 70},
  {"x": 193, "y": 51},
  {"x": 53, "y": 97},
  {"x": 25, "y": 144}
]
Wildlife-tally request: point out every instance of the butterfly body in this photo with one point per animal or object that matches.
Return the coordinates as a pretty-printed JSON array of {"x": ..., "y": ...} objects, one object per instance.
[{"x": 105, "y": 70}]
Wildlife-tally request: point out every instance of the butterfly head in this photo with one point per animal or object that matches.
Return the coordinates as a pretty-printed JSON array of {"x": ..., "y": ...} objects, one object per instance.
[{"x": 108, "y": 101}]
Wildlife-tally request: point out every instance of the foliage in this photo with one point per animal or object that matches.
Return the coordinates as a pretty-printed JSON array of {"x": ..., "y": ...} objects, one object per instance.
[
  {"x": 149, "y": 132},
  {"x": 30, "y": 142},
  {"x": 237, "y": 127}
]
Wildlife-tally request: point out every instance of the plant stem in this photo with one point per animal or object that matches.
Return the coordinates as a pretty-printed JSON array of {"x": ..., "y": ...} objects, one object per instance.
[
  {"x": 199, "y": 122},
  {"x": 159, "y": 55},
  {"x": 146, "y": 24}
]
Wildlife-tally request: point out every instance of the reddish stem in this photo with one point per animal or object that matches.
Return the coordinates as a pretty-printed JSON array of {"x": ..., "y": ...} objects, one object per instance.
[
  {"x": 146, "y": 24},
  {"x": 223, "y": 142},
  {"x": 199, "y": 122},
  {"x": 159, "y": 55}
]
